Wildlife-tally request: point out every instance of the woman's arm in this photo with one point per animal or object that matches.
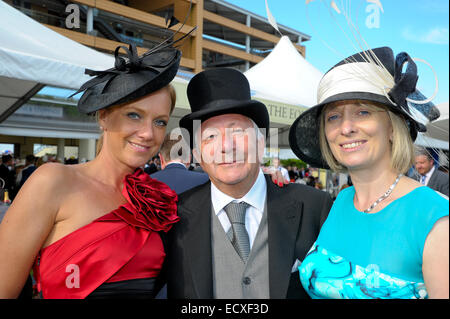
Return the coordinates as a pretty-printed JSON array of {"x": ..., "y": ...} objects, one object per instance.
[
  {"x": 435, "y": 265},
  {"x": 26, "y": 225},
  {"x": 278, "y": 178}
]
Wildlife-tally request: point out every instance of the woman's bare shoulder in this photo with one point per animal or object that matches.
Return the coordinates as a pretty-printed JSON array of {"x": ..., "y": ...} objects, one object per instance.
[
  {"x": 49, "y": 169},
  {"x": 46, "y": 190},
  {"x": 50, "y": 179},
  {"x": 408, "y": 184},
  {"x": 55, "y": 172}
]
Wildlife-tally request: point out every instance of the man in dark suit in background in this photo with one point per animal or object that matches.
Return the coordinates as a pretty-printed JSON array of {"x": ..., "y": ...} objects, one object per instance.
[
  {"x": 7, "y": 174},
  {"x": 151, "y": 166},
  {"x": 429, "y": 175},
  {"x": 28, "y": 169},
  {"x": 175, "y": 157},
  {"x": 240, "y": 235}
]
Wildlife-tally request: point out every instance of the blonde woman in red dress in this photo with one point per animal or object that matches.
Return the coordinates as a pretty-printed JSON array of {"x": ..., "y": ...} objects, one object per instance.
[{"x": 95, "y": 230}]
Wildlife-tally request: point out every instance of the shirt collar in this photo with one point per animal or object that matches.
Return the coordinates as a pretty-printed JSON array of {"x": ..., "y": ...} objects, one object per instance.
[
  {"x": 430, "y": 172},
  {"x": 256, "y": 196},
  {"x": 176, "y": 163}
]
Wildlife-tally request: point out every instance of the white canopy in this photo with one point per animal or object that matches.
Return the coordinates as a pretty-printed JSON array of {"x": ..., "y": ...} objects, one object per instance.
[
  {"x": 426, "y": 141},
  {"x": 285, "y": 76},
  {"x": 439, "y": 128},
  {"x": 32, "y": 55},
  {"x": 436, "y": 135}
]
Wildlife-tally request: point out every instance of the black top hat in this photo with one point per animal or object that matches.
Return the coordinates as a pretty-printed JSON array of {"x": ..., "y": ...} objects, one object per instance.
[
  {"x": 222, "y": 91},
  {"x": 129, "y": 79},
  {"x": 372, "y": 75}
]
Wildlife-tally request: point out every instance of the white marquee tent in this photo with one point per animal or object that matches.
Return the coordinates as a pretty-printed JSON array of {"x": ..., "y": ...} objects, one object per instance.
[
  {"x": 285, "y": 76},
  {"x": 437, "y": 131},
  {"x": 32, "y": 56}
]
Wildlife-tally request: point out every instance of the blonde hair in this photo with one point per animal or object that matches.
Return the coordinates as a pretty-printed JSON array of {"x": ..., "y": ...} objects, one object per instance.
[
  {"x": 173, "y": 100},
  {"x": 402, "y": 147}
]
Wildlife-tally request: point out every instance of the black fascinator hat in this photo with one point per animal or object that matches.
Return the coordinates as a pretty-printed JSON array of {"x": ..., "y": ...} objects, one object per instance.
[
  {"x": 372, "y": 75},
  {"x": 129, "y": 79},
  {"x": 133, "y": 76}
]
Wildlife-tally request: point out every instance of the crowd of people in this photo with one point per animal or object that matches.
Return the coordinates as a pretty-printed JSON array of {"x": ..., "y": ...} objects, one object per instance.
[
  {"x": 106, "y": 229},
  {"x": 294, "y": 174},
  {"x": 14, "y": 171}
]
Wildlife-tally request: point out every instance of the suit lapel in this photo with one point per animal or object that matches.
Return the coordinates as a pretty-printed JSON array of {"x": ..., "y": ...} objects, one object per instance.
[
  {"x": 198, "y": 241},
  {"x": 433, "y": 178},
  {"x": 284, "y": 216}
]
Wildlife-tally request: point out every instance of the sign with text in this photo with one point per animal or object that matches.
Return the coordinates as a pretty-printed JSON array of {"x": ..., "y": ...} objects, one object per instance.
[{"x": 282, "y": 113}]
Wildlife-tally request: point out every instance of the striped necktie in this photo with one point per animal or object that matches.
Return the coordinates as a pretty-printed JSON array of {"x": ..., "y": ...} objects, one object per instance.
[
  {"x": 422, "y": 179},
  {"x": 239, "y": 238}
]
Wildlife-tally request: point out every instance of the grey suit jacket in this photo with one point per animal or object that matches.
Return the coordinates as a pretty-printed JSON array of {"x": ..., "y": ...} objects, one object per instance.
[
  {"x": 439, "y": 182},
  {"x": 295, "y": 214}
]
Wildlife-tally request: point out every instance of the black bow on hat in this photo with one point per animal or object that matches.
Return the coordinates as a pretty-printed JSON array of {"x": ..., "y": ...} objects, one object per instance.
[{"x": 405, "y": 88}]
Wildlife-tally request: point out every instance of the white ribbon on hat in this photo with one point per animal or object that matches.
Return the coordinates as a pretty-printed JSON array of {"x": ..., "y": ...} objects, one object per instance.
[
  {"x": 355, "y": 77},
  {"x": 369, "y": 78}
]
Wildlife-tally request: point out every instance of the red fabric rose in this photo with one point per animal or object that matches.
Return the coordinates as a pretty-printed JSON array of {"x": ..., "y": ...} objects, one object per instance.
[{"x": 151, "y": 203}]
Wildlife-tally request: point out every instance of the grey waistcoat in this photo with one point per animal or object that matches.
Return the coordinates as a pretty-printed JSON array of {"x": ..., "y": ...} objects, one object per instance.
[{"x": 232, "y": 278}]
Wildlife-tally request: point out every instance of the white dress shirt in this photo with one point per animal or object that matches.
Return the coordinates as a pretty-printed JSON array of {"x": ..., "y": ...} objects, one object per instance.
[
  {"x": 255, "y": 197},
  {"x": 428, "y": 175},
  {"x": 284, "y": 172}
]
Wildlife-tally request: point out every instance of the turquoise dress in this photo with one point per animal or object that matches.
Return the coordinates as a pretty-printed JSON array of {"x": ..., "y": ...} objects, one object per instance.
[{"x": 379, "y": 255}]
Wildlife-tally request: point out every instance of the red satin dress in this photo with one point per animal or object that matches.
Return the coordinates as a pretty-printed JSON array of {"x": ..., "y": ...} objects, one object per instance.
[{"x": 120, "y": 246}]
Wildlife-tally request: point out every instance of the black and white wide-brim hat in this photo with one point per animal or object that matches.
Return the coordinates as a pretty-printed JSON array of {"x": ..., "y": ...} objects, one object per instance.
[{"x": 372, "y": 75}]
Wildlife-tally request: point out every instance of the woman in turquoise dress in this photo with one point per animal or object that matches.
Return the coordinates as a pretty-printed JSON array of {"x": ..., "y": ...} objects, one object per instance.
[{"x": 387, "y": 236}]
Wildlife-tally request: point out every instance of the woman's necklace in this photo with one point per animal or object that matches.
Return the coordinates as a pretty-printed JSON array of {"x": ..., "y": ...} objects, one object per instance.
[{"x": 385, "y": 195}]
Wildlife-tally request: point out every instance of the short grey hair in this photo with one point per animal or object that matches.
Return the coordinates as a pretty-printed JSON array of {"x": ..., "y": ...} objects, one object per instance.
[{"x": 423, "y": 151}]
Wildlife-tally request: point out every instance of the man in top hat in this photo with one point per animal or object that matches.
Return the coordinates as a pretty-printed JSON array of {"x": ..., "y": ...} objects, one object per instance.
[{"x": 240, "y": 235}]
